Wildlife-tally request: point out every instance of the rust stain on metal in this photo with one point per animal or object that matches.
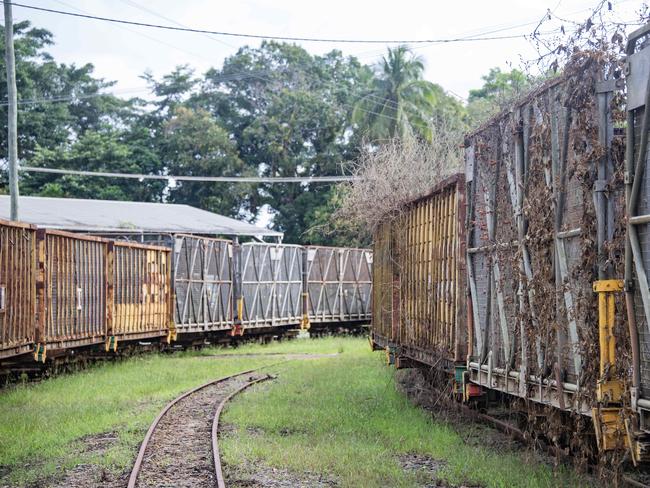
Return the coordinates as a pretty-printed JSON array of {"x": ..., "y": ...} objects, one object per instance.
[
  {"x": 419, "y": 292},
  {"x": 18, "y": 270}
]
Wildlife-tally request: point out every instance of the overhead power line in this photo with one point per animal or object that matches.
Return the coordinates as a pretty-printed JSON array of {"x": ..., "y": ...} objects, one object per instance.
[
  {"x": 261, "y": 36},
  {"x": 222, "y": 179},
  {"x": 156, "y": 14},
  {"x": 73, "y": 98},
  {"x": 142, "y": 34}
]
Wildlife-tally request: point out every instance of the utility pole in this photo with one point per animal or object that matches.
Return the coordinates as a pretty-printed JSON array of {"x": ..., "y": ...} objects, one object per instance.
[{"x": 12, "y": 109}]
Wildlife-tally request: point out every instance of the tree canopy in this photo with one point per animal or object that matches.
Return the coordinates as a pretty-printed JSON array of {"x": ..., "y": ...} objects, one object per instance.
[
  {"x": 274, "y": 110},
  {"x": 398, "y": 102},
  {"x": 499, "y": 87}
]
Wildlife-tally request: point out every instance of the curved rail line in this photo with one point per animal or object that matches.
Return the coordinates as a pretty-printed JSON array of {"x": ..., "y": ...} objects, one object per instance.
[
  {"x": 221, "y": 483},
  {"x": 133, "y": 478}
]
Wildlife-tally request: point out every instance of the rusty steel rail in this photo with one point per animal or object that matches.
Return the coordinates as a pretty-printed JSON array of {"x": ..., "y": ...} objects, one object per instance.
[
  {"x": 221, "y": 483},
  {"x": 137, "y": 465}
]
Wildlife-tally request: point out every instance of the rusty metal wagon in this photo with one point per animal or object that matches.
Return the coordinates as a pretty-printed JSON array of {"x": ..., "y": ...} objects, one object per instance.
[{"x": 18, "y": 267}]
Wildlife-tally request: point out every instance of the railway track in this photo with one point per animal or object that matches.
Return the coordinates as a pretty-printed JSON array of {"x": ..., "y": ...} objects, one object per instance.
[{"x": 186, "y": 454}]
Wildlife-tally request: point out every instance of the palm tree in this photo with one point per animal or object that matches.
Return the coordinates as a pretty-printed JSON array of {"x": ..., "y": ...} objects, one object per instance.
[{"x": 398, "y": 102}]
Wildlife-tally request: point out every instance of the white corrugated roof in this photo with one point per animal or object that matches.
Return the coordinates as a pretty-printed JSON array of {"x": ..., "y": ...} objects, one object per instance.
[{"x": 112, "y": 216}]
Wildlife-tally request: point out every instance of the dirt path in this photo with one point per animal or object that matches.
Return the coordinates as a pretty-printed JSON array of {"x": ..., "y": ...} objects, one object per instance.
[{"x": 179, "y": 453}]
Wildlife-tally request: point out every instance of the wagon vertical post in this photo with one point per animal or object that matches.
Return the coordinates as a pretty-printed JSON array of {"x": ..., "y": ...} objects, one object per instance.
[
  {"x": 304, "y": 323},
  {"x": 238, "y": 328},
  {"x": 41, "y": 297},
  {"x": 109, "y": 254},
  {"x": 169, "y": 296}
]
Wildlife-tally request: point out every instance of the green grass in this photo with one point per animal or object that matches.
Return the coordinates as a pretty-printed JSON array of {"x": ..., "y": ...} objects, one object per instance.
[
  {"x": 339, "y": 416},
  {"x": 342, "y": 417},
  {"x": 42, "y": 424},
  {"x": 324, "y": 345}
]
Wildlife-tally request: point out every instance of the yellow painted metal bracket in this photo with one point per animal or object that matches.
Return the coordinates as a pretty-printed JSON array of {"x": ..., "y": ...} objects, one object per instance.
[
  {"x": 111, "y": 344},
  {"x": 609, "y": 424},
  {"x": 390, "y": 356},
  {"x": 240, "y": 309},
  {"x": 304, "y": 323},
  {"x": 40, "y": 352},
  {"x": 608, "y": 286},
  {"x": 609, "y": 415},
  {"x": 608, "y": 390},
  {"x": 171, "y": 335}
]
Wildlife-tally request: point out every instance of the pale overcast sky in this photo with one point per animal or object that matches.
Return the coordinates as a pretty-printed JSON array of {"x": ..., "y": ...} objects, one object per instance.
[{"x": 123, "y": 53}]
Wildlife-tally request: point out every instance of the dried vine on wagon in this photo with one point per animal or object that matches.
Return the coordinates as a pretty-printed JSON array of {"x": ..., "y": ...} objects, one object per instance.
[
  {"x": 539, "y": 322},
  {"x": 395, "y": 172}
]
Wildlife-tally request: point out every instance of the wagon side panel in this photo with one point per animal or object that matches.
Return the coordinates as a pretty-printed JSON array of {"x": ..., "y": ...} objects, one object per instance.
[
  {"x": 75, "y": 292},
  {"x": 141, "y": 291},
  {"x": 18, "y": 267},
  {"x": 203, "y": 284}
]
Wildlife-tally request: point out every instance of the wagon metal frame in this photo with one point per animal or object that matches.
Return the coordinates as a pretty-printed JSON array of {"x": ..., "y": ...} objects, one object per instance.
[
  {"x": 203, "y": 279},
  {"x": 74, "y": 291},
  {"x": 489, "y": 244},
  {"x": 638, "y": 243},
  {"x": 18, "y": 258},
  {"x": 339, "y": 284},
  {"x": 385, "y": 289},
  {"x": 142, "y": 296},
  {"x": 271, "y": 281}
]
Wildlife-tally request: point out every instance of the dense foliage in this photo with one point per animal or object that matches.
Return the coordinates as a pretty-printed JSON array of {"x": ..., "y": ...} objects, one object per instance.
[{"x": 272, "y": 110}]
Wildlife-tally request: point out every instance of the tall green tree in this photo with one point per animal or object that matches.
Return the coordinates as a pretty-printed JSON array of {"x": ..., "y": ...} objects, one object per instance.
[
  {"x": 500, "y": 84},
  {"x": 57, "y": 102},
  {"x": 64, "y": 121},
  {"x": 398, "y": 102},
  {"x": 498, "y": 88},
  {"x": 108, "y": 150},
  {"x": 290, "y": 113},
  {"x": 194, "y": 144}
]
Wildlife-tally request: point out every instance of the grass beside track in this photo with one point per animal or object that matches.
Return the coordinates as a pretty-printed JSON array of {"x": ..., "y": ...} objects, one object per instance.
[
  {"x": 49, "y": 426},
  {"x": 343, "y": 418},
  {"x": 323, "y": 345},
  {"x": 339, "y": 416}
]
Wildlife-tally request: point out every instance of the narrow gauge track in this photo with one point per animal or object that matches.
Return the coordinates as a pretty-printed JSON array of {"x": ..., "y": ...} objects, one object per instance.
[{"x": 186, "y": 454}]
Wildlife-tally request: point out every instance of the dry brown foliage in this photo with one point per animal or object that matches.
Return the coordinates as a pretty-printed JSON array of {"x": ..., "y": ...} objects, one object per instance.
[{"x": 396, "y": 172}]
